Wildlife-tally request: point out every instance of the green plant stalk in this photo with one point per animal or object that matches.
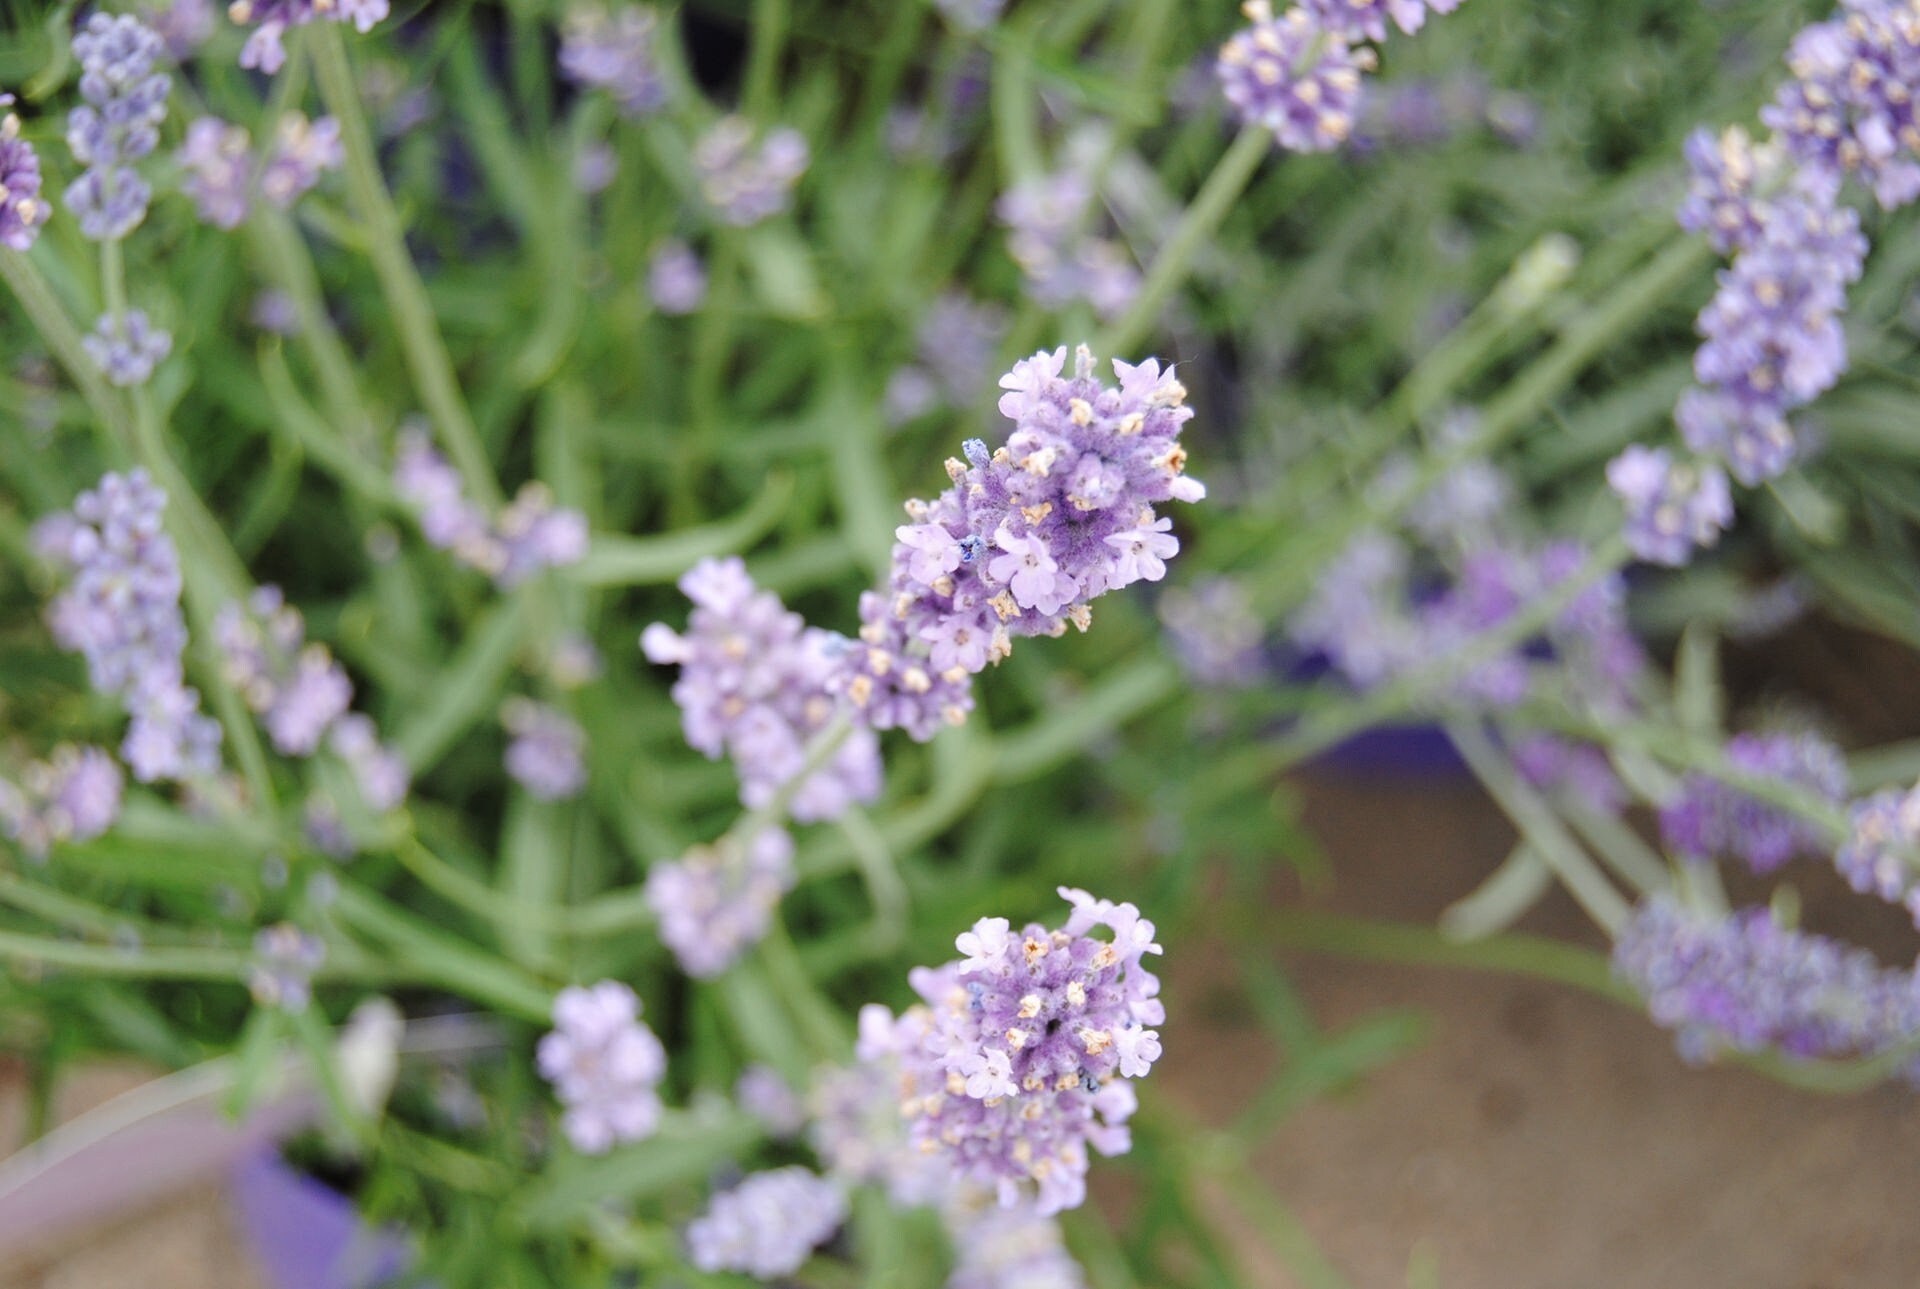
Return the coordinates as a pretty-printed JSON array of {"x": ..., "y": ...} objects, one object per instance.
[
  {"x": 770, "y": 21},
  {"x": 425, "y": 349},
  {"x": 1216, "y": 197},
  {"x": 284, "y": 257}
]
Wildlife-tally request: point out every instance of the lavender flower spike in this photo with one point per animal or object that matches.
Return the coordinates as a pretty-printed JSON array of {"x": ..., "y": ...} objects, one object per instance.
[
  {"x": 1883, "y": 833},
  {"x": 75, "y": 796},
  {"x": 272, "y": 19},
  {"x": 126, "y": 347},
  {"x": 768, "y": 1224},
  {"x": 745, "y": 184},
  {"x": 614, "y": 51},
  {"x": 1710, "y": 819},
  {"x": 717, "y": 901},
  {"x": 605, "y": 1065},
  {"x": 1294, "y": 77},
  {"x": 1021, "y": 1054},
  {"x": 1672, "y": 507},
  {"x": 119, "y": 124},
  {"x": 1026, "y": 538},
  {"x": 547, "y": 755},
  {"x": 22, "y": 209}
]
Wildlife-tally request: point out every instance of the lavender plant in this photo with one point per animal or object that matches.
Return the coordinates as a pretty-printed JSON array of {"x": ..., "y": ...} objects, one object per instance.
[{"x": 456, "y": 474}]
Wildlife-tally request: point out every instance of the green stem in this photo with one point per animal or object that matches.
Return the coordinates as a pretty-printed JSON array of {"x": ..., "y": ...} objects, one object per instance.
[
  {"x": 283, "y": 255},
  {"x": 1223, "y": 187},
  {"x": 426, "y": 351},
  {"x": 769, "y": 34}
]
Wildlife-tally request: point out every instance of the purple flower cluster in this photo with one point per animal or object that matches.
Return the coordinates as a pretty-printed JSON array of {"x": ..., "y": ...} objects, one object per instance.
[
  {"x": 126, "y": 347},
  {"x": 614, "y": 51},
  {"x": 1849, "y": 108},
  {"x": 547, "y": 753},
  {"x": 530, "y": 535},
  {"x": 22, "y": 209},
  {"x": 296, "y": 688},
  {"x": 1008, "y": 1248},
  {"x": 1710, "y": 819},
  {"x": 1358, "y": 20},
  {"x": 121, "y": 611},
  {"x": 716, "y": 902},
  {"x": 74, "y": 796},
  {"x": 1883, "y": 837},
  {"x": 955, "y": 347},
  {"x": 1673, "y": 507},
  {"x": 272, "y": 19},
  {"x": 764, "y": 1094},
  {"x": 126, "y": 99},
  {"x": 1746, "y": 983},
  {"x": 605, "y": 1065},
  {"x": 379, "y": 772},
  {"x": 222, "y": 173},
  {"x": 1294, "y": 77},
  {"x": 184, "y": 25},
  {"x": 1026, "y": 538},
  {"x": 1215, "y": 633},
  {"x": 746, "y": 184},
  {"x": 1048, "y": 235},
  {"x": 755, "y": 686},
  {"x": 285, "y": 959},
  {"x": 676, "y": 279},
  {"x": 1571, "y": 768},
  {"x": 768, "y": 1224},
  {"x": 1020, "y": 1054}
]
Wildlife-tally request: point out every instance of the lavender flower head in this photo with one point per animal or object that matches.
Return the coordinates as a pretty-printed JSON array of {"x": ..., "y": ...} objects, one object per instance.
[
  {"x": 955, "y": 346},
  {"x": 285, "y": 958},
  {"x": 1883, "y": 836},
  {"x": 1358, "y": 20},
  {"x": 379, "y": 772},
  {"x": 531, "y": 535},
  {"x": 296, "y": 688},
  {"x": 1710, "y": 819},
  {"x": 1020, "y": 1055},
  {"x": 126, "y": 347},
  {"x": 119, "y": 124},
  {"x": 74, "y": 796},
  {"x": 22, "y": 209},
  {"x": 755, "y": 686},
  {"x": 184, "y": 25},
  {"x": 1215, "y": 633},
  {"x": 302, "y": 151},
  {"x": 764, "y": 1094},
  {"x": 272, "y": 19},
  {"x": 547, "y": 753},
  {"x": 1848, "y": 110},
  {"x": 614, "y": 51},
  {"x": 1747, "y": 984},
  {"x": 768, "y": 1224},
  {"x": 676, "y": 279},
  {"x": 717, "y": 901},
  {"x": 1356, "y": 614},
  {"x": 605, "y": 1066},
  {"x": 1294, "y": 77},
  {"x": 1047, "y": 220},
  {"x": 1672, "y": 507},
  {"x": 121, "y": 612},
  {"x": 1026, "y": 538},
  {"x": 1571, "y": 768},
  {"x": 744, "y": 184},
  {"x": 216, "y": 161},
  {"x": 1008, "y": 1248}
]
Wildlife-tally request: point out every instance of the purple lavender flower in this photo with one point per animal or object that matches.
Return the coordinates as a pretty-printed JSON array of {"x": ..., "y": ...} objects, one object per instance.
[
  {"x": 126, "y": 347},
  {"x": 272, "y": 19},
  {"x": 531, "y": 534},
  {"x": 755, "y": 686},
  {"x": 121, "y": 612},
  {"x": 379, "y": 772},
  {"x": 765, "y": 1095},
  {"x": 1293, "y": 77},
  {"x": 856, "y": 1127},
  {"x": 1730, "y": 182},
  {"x": 605, "y": 1065},
  {"x": 1572, "y": 767},
  {"x": 1026, "y": 537},
  {"x": 745, "y": 185},
  {"x": 1710, "y": 819},
  {"x": 1747, "y": 984},
  {"x": 955, "y": 347},
  {"x": 1214, "y": 632},
  {"x": 1358, "y": 20},
  {"x": 184, "y": 25},
  {"x": 296, "y": 688},
  {"x": 717, "y": 901},
  {"x": 126, "y": 99},
  {"x": 302, "y": 151},
  {"x": 1008, "y": 1248},
  {"x": 676, "y": 280},
  {"x": 1849, "y": 108},
  {"x": 1883, "y": 834},
  {"x": 547, "y": 755},
  {"x": 218, "y": 166},
  {"x": 768, "y": 1224},
  {"x": 1356, "y": 614},
  {"x": 285, "y": 959},
  {"x": 1047, "y": 221},
  {"x": 1672, "y": 507},
  {"x": 73, "y": 796},
  {"x": 614, "y": 51},
  {"x": 22, "y": 209},
  {"x": 1020, "y": 1055}
]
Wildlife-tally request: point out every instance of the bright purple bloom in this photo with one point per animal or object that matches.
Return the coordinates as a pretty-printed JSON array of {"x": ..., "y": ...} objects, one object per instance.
[
  {"x": 1020, "y": 1056},
  {"x": 605, "y": 1066},
  {"x": 1849, "y": 108},
  {"x": 1672, "y": 507},
  {"x": 547, "y": 754},
  {"x": 296, "y": 688},
  {"x": 1293, "y": 77},
  {"x": 119, "y": 124},
  {"x": 1747, "y": 984},
  {"x": 22, "y": 209},
  {"x": 1883, "y": 837},
  {"x": 285, "y": 959},
  {"x": 127, "y": 348},
  {"x": 1030, "y": 521},
  {"x": 218, "y": 166},
  {"x": 121, "y": 612},
  {"x": 614, "y": 51},
  {"x": 717, "y": 901},
  {"x": 755, "y": 687},
  {"x": 1731, "y": 181},
  {"x": 768, "y": 1224},
  {"x": 74, "y": 796},
  {"x": 676, "y": 280},
  {"x": 745, "y": 184},
  {"x": 271, "y": 20},
  {"x": 302, "y": 151},
  {"x": 532, "y": 534},
  {"x": 1711, "y": 819}
]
